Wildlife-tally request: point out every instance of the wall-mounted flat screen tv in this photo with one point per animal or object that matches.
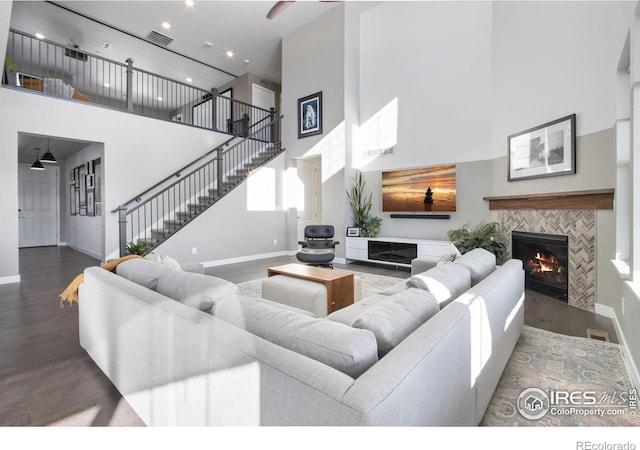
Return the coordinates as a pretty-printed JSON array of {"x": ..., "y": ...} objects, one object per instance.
[{"x": 419, "y": 190}]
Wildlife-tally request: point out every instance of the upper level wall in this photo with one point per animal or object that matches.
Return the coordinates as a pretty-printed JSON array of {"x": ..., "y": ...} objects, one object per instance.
[
  {"x": 138, "y": 152},
  {"x": 552, "y": 59},
  {"x": 434, "y": 59}
]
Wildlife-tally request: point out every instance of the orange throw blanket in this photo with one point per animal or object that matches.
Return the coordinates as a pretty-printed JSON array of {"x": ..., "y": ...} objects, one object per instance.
[{"x": 70, "y": 294}]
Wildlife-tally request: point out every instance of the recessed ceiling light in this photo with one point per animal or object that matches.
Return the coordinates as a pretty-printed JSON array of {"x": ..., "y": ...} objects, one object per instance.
[
  {"x": 166, "y": 25},
  {"x": 189, "y": 80},
  {"x": 246, "y": 61},
  {"x": 229, "y": 53},
  {"x": 40, "y": 35},
  {"x": 208, "y": 44},
  {"x": 188, "y": 2}
]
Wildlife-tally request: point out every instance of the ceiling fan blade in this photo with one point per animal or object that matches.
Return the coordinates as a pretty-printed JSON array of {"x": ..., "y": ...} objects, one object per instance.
[{"x": 278, "y": 8}]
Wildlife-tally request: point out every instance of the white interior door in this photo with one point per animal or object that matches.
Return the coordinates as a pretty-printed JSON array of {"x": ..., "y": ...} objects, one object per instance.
[
  {"x": 38, "y": 206},
  {"x": 262, "y": 97},
  {"x": 309, "y": 208}
]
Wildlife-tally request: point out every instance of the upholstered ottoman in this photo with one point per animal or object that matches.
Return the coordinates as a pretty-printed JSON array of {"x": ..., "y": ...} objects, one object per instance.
[{"x": 300, "y": 293}]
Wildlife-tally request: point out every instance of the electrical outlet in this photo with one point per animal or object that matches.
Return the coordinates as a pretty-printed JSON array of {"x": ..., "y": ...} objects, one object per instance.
[
  {"x": 194, "y": 250},
  {"x": 275, "y": 242}
]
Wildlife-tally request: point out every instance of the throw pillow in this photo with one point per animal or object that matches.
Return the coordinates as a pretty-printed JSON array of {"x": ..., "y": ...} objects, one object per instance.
[
  {"x": 168, "y": 261},
  {"x": 450, "y": 255}
]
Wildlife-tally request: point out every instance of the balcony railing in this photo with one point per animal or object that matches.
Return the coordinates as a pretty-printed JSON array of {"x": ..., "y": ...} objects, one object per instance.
[{"x": 67, "y": 72}]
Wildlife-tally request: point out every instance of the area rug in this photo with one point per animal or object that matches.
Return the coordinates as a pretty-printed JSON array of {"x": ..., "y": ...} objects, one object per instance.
[
  {"x": 371, "y": 284},
  {"x": 586, "y": 382}
]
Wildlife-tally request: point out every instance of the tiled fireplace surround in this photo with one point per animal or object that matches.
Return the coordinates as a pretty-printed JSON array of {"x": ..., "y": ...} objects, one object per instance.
[
  {"x": 554, "y": 214},
  {"x": 580, "y": 226}
]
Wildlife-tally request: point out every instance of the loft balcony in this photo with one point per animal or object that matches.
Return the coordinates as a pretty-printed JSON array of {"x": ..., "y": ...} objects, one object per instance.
[{"x": 39, "y": 65}]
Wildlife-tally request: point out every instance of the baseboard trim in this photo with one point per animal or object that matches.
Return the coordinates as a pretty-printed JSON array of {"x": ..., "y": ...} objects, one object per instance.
[
  {"x": 609, "y": 312},
  {"x": 10, "y": 280},
  {"x": 241, "y": 259},
  {"x": 82, "y": 250}
]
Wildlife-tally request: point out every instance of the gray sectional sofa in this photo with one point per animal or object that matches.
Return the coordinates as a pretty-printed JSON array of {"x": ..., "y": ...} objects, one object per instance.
[{"x": 188, "y": 349}]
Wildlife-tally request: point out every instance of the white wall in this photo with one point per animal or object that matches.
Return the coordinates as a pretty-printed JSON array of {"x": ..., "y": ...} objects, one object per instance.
[
  {"x": 84, "y": 233},
  {"x": 138, "y": 152},
  {"x": 231, "y": 231},
  {"x": 552, "y": 59},
  {"x": 435, "y": 59},
  {"x": 313, "y": 60}
]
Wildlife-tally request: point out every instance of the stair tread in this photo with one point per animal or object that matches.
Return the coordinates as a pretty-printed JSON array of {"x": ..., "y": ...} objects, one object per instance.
[{"x": 191, "y": 210}]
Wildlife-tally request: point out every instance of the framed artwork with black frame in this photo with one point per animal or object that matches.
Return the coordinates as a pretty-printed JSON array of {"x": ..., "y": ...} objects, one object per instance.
[
  {"x": 310, "y": 115},
  {"x": 544, "y": 151},
  {"x": 97, "y": 170}
]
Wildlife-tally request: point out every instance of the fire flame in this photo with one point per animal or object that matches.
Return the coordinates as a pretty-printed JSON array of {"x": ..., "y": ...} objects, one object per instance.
[{"x": 545, "y": 263}]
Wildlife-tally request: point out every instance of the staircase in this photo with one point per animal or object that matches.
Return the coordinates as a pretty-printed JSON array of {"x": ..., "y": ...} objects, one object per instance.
[{"x": 163, "y": 210}]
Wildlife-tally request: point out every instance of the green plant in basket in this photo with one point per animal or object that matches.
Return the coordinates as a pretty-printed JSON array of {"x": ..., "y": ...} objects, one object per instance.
[
  {"x": 371, "y": 226},
  {"x": 485, "y": 236},
  {"x": 140, "y": 248}
]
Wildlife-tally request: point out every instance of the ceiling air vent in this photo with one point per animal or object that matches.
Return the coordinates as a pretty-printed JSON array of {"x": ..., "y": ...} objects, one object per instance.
[
  {"x": 159, "y": 38},
  {"x": 75, "y": 54}
]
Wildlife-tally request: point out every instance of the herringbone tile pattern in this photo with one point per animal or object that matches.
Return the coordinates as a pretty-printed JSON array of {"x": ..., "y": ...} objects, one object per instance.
[{"x": 580, "y": 226}]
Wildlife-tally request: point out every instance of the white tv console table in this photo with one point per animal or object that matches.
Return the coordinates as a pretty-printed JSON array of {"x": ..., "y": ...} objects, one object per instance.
[{"x": 394, "y": 251}]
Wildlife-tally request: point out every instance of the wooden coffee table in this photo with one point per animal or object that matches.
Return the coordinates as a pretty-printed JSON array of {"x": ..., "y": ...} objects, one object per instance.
[{"x": 340, "y": 285}]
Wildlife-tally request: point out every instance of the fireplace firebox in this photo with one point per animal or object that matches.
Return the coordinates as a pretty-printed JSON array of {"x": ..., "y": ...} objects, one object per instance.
[{"x": 545, "y": 258}]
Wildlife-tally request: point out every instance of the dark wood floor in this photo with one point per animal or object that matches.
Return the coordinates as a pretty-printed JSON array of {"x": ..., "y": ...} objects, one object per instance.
[{"x": 46, "y": 378}]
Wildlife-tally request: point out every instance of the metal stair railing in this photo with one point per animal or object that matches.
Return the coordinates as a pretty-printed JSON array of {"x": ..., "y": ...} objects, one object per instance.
[
  {"x": 162, "y": 210},
  {"x": 48, "y": 68}
]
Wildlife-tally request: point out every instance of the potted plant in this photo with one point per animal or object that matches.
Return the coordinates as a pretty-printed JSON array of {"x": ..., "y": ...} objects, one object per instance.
[
  {"x": 485, "y": 236},
  {"x": 9, "y": 66},
  {"x": 359, "y": 201},
  {"x": 141, "y": 248},
  {"x": 371, "y": 226}
]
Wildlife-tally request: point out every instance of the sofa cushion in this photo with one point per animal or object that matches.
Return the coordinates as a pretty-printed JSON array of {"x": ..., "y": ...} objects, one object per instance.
[
  {"x": 349, "y": 350},
  {"x": 142, "y": 271},
  {"x": 194, "y": 289},
  {"x": 445, "y": 282},
  {"x": 397, "y": 316},
  {"x": 394, "y": 289},
  {"x": 348, "y": 314},
  {"x": 479, "y": 262}
]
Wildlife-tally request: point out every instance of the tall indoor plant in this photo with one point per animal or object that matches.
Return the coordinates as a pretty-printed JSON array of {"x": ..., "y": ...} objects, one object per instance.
[{"x": 360, "y": 202}]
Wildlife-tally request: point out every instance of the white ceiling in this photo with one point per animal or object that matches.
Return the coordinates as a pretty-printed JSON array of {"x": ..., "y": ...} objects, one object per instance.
[
  {"x": 60, "y": 148},
  {"x": 240, "y": 26}
]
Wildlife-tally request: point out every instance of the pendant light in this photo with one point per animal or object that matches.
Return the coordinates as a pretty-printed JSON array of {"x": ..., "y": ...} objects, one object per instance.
[
  {"x": 48, "y": 156},
  {"x": 37, "y": 165}
]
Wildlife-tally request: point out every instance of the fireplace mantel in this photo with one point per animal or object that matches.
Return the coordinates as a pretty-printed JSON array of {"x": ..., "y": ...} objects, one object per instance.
[{"x": 592, "y": 199}]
